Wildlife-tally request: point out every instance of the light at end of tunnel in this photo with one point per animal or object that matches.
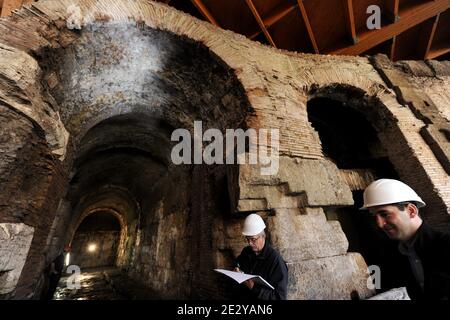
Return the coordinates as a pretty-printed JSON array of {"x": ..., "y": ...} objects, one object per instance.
[
  {"x": 67, "y": 261},
  {"x": 92, "y": 247}
]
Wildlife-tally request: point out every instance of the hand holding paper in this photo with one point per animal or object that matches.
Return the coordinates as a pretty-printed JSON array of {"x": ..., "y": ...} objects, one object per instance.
[{"x": 240, "y": 277}]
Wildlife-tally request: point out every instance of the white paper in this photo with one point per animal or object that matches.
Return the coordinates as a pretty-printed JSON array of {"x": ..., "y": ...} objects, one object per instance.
[{"x": 240, "y": 277}]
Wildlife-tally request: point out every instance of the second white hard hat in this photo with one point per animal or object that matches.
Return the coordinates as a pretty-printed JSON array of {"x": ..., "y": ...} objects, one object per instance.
[
  {"x": 253, "y": 225},
  {"x": 389, "y": 191}
]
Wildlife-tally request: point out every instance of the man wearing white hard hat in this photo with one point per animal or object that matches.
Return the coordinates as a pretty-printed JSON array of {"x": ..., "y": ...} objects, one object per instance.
[
  {"x": 259, "y": 258},
  {"x": 395, "y": 207}
]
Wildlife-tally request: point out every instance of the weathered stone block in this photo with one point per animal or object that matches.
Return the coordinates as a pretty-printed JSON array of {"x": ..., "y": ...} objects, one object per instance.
[
  {"x": 440, "y": 68},
  {"x": 15, "y": 242},
  {"x": 333, "y": 278},
  {"x": 393, "y": 294},
  {"x": 306, "y": 236},
  {"x": 418, "y": 68},
  {"x": 298, "y": 183},
  {"x": 21, "y": 91}
]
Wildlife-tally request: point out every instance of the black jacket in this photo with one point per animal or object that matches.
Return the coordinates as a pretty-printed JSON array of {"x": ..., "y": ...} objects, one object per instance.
[
  {"x": 268, "y": 264},
  {"x": 433, "y": 249}
]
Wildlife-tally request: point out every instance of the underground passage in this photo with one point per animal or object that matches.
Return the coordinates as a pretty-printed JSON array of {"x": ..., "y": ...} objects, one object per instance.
[{"x": 94, "y": 207}]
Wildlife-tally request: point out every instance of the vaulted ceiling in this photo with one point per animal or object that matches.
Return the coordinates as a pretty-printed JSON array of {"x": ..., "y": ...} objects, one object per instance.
[{"x": 410, "y": 29}]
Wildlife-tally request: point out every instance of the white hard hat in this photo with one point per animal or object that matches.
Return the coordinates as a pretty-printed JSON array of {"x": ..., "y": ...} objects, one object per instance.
[
  {"x": 389, "y": 191},
  {"x": 253, "y": 225}
]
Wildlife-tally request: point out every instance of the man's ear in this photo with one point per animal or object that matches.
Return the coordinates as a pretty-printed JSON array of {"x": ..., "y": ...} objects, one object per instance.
[{"x": 412, "y": 210}]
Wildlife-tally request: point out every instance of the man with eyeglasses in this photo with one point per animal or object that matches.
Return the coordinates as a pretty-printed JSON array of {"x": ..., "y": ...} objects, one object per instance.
[{"x": 259, "y": 258}]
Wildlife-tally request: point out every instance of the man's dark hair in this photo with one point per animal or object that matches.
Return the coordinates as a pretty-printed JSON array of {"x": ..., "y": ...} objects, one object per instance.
[{"x": 402, "y": 205}]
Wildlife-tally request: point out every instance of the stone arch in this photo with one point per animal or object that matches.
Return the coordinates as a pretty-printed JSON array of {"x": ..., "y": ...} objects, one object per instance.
[
  {"x": 123, "y": 234},
  {"x": 49, "y": 32},
  {"x": 142, "y": 136},
  {"x": 276, "y": 84},
  {"x": 349, "y": 124},
  {"x": 121, "y": 203},
  {"x": 112, "y": 70},
  {"x": 64, "y": 130},
  {"x": 399, "y": 132},
  {"x": 371, "y": 106},
  {"x": 378, "y": 116}
]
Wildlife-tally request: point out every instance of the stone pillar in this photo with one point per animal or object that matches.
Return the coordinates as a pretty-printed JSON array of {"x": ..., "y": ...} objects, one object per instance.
[{"x": 15, "y": 242}]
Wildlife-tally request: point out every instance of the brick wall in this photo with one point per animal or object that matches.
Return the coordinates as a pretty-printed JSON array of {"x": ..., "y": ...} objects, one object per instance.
[{"x": 270, "y": 88}]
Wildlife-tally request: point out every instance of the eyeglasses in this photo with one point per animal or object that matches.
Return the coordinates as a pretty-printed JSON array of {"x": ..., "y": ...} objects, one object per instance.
[{"x": 252, "y": 240}]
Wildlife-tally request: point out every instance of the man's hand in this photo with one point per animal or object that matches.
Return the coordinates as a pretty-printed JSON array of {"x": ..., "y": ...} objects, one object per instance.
[{"x": 249, "y": 283}]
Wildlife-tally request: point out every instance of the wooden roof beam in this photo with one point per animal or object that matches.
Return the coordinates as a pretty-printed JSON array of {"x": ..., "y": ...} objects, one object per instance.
[
  {"x": 260, "y": 21},
  {"x": 432, "y": 33},
  {"x": 308, "y": 25},
  {"x": 205, "y": 12},
  {"x": 279, "y": 14},
  {"x": 392, "y": 51},
  {"x": 275, "y": 17},
  {"x": 373, "y": 38},
  {"x": 393, "y": 7},
  {"x": 351, "y": 20},
  {"x": 433, "y": 54}
]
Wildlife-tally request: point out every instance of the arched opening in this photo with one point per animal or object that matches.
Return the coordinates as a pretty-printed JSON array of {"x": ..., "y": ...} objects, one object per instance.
[
  {"x": 347, "y": 137},
  {"x": 125, "y": 88},
  {"x": 96, "y": 241},
  {"x": 352, "y": 142}
]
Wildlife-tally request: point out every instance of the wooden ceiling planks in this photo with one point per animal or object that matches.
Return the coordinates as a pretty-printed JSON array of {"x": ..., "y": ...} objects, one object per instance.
[
  {"x": 412, "y": 18},
  {"x": 411, "y": 29},
  {"x": 441, "y": 40},
  {"x": 412, "y": 44},
  {"x": 297, "y": 31},
  {"x": 351, "y": 24},
  {"x": 234, "y": 15},
  {"x": 361, "y": 15},
  {"x": 260, "y": 21},
  {"x": 274, "y": 14},
  {"x": 205, "y": 12},
  {"x": 329, "y": 22}
]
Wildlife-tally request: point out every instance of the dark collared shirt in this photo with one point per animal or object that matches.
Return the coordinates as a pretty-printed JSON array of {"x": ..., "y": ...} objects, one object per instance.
[
  {"x": 429, "y": 277},
  {"x": 407, "y": 249},
  {"x": 268, "y": 264}
]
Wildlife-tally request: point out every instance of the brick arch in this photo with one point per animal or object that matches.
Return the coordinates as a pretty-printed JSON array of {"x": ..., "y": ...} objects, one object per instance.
[
  {"x": 371, "y": 106},
  {"x": 47, "y": 25},
  {"x": 123, "y": 69},
  {"x": 124, "y": 230},
  {"x": 125, "y": 208},
  {"x": 399, "y": 132},
  {"x": 44, "y": 26}
]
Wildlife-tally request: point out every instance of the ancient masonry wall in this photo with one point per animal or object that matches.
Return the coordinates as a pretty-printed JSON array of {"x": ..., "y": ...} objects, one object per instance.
[{"x": 408, "y": 103}]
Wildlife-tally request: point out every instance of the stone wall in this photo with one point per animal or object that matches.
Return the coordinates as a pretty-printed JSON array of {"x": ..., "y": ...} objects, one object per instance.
[
  {"x": 62, "y": 88},
  {"x": 423, "y": 87},
  {"x": 14, "y": 246},
  {"x": 30, "y": 182},
  {"x": 162, "y": 258}
]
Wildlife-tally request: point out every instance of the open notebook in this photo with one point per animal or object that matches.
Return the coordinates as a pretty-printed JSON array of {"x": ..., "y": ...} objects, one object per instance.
[{"x": 240, "y": 277}]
